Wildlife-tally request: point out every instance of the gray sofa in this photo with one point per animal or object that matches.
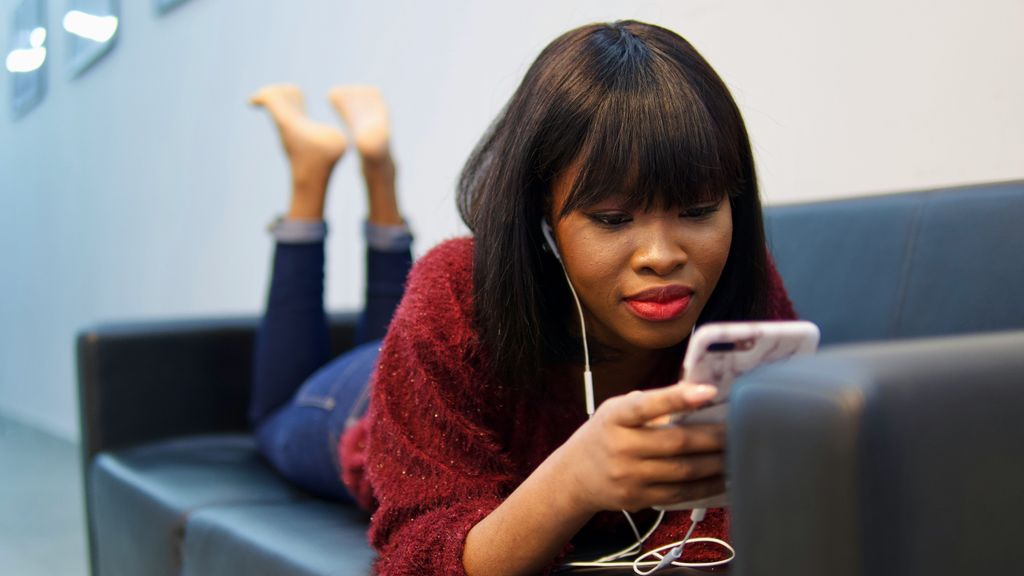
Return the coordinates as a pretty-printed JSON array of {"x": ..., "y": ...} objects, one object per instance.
[{"x": 897, "y": 450}]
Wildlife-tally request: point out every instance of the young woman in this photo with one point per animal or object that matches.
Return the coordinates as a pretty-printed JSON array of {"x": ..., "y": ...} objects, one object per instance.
[
  {"x": 478, "y": 454},
  {"x": 478, "y": 448}
]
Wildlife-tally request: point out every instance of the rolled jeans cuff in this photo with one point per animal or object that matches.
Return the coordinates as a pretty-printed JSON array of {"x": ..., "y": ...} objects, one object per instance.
[
  {"x": 291, "y": 231},
  {"x": 387, "y": 238}
]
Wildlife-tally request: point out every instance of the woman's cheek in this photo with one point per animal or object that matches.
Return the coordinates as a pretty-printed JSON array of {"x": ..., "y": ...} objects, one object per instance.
[{"x": 716, "y": 250}]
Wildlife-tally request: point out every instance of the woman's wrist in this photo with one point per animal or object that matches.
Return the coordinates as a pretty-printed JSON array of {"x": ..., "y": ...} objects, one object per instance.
[
  {"x": 541, "y": 515},
  {"x": 570, "y": 495}
]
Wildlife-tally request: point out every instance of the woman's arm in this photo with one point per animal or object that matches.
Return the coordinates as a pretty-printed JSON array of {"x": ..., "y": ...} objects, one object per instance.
[{"x": 617, "y": 460}]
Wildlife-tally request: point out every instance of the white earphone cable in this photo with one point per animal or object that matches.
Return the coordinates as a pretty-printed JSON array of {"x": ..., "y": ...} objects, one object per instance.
[{"x": 588, "y": 378}]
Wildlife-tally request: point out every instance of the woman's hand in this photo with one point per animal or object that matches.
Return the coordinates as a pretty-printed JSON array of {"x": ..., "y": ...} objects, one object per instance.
[{"x": 625, "y": 458}]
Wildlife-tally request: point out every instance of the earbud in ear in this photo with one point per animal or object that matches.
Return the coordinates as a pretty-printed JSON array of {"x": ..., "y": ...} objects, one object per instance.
[{"x": 549, "y": 238}]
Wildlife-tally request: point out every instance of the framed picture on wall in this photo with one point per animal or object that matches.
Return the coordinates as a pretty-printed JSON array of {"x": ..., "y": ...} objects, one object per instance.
[
  {"x": 91, "y": 27},
  {"x": 165, "y": 5},
  {"x": 25, "y": 60}
]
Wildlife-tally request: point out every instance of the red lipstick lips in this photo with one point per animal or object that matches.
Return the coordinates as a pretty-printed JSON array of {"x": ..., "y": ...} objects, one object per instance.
[{"x": 660, "y": 304}]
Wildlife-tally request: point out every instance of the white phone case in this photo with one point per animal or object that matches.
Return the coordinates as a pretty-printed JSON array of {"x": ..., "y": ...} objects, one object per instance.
[{"x": 720, "y": 352}]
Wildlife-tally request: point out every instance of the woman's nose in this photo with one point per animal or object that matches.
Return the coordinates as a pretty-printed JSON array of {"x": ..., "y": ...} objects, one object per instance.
[{"x": 659, "y": 249}]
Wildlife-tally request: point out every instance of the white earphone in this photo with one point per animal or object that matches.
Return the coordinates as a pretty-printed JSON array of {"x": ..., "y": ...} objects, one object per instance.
[
  {"x": 549, "y": 238},
  {"x": 588, "y": 378}
]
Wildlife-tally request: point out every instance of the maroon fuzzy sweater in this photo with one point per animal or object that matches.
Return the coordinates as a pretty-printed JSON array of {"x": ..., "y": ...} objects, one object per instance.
[{"x": 445, "y": 442}]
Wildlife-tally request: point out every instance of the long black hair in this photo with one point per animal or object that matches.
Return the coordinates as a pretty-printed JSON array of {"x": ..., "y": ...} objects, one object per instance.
[{"x": 644, "y": 117}]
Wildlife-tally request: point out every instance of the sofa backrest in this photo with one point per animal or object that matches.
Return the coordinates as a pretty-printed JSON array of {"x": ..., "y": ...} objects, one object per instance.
[{"x": 938, "y": 262}]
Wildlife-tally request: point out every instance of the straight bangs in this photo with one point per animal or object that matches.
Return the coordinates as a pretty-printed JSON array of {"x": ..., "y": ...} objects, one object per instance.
[{"x": 653, "y": 143}]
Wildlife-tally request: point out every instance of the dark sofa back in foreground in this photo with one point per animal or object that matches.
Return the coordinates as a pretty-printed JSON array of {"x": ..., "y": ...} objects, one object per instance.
[
  {"x": 885, "y": 458},
  {"x": 902, "y": 457}
]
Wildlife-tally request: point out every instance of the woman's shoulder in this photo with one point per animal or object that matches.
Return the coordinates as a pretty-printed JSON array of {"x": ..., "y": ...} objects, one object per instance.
[
  {"x": 779, "y": 306},
  {"x": 445, "y": 271},
  {"x": 451, "y": 258},
  {"x": 433, "y": 343},
  {"x": 438, "y": 296}
]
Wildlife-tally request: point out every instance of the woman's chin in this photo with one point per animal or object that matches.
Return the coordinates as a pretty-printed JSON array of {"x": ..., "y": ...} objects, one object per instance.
[
  {"x": 629, "y": 334},
  {"x": 659, "y": 337}
]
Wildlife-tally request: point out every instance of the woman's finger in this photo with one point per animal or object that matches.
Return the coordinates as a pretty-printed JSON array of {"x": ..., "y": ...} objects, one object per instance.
[
  {"x": 676, "y": 470},
  {"x": 672, "y": 440},
  {"x": 674, "y": 493},
  {"x": 640, "y": 407}
]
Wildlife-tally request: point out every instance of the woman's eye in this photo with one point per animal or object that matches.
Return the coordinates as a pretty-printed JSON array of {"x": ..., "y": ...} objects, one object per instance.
[
  {"x": 699, "y": 212},
  {"x": 610, "y": 220}
]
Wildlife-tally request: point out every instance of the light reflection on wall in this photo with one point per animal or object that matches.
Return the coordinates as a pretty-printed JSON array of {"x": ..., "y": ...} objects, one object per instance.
[
  {"x": 90, "y": 26},
  {"x": 23, "y": 60}
]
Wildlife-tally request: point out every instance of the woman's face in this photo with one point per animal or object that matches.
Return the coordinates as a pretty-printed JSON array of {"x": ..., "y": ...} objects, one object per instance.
[{"x": 643, "y": 277}]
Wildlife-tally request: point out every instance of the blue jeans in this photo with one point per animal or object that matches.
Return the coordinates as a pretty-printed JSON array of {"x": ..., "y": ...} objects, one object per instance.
[{"x": 301, "y": 400}]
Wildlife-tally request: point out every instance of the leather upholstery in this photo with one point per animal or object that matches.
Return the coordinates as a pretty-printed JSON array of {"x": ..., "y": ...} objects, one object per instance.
[
  {"x": 143, "y": 498},
  {"x": 145, "y": 391},
  {"x": 967, "y": 269},
  {"x": 923, "y": 264},
  {"x": 306, "y": 538},
  {"x": 151, "y": 380},
  {"x": 901, "y": 458},
  {"x": 843, "y": 262}
]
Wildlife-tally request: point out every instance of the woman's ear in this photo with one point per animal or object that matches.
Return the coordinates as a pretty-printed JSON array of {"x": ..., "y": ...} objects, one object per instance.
[{"x": 549, "y": 238}]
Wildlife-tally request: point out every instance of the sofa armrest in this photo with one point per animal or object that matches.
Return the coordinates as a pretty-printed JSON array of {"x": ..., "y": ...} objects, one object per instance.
[
  {"x": 887, "y": 458},
  {"x": 144, "y": 381}
]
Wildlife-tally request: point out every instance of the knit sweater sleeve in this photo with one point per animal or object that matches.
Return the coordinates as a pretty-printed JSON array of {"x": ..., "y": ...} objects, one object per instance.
[{"x": 434, "y": 457}]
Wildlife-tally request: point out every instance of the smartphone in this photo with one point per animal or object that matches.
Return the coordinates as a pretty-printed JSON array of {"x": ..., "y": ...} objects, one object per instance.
[{"x": 720, "y": 352}]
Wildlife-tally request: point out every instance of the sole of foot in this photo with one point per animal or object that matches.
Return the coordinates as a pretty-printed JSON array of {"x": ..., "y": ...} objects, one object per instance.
[
  {"x": 363, "y": 110},
  {"x": 306, "y": 142}
]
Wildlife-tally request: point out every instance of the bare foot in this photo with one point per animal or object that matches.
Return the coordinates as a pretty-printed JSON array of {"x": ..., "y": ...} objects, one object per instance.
[
  {"x": 310, "y": 146},
  {"x": 364, "y": 112}
]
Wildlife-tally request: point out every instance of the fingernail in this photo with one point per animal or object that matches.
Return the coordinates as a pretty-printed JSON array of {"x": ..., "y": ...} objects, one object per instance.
[{"x": 700, "y": 393}]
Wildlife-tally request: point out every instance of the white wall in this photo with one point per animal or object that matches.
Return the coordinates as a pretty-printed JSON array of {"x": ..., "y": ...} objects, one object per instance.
[{"x": 141, "y": 189}]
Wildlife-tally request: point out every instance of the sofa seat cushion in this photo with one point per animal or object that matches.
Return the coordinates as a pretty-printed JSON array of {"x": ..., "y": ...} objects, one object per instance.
[
  {"x": 144, "y": 499},
  {"x": 311, "y": 537}
]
